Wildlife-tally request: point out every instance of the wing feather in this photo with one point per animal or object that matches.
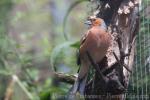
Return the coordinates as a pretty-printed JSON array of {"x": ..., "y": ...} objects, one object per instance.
[{"x": 83, "y": 39}]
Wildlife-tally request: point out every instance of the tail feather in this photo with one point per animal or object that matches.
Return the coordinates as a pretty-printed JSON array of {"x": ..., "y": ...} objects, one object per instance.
[
  {"x": 72, "y": 92},
  {"x": 75, "y": 86},
  {"x": 82, "y": 85},
  {"x": 79, "y": 86}
]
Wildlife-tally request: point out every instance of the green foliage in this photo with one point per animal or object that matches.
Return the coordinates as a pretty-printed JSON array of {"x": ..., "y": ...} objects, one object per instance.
[
  {"x": 45, "y": 95},
  {"x": 24, "y": 53},
  {"x": 76, "y": 45}
]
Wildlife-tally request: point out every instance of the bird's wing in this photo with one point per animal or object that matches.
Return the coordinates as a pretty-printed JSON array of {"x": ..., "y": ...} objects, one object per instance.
[{"x": 83, "y": 39}]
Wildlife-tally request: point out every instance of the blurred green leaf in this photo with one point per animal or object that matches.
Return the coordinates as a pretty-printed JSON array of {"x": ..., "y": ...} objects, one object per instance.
[
  {"x": 76, "y": 45},
  {"x": 52, "y": 93},
  {"x": 18, "y": 46},
  {"x": 5, "y": 72},
  {"x": 45, "y": 95}
]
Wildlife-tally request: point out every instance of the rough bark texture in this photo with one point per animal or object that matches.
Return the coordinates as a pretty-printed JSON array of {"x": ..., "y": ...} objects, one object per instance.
[{"x": 122, "y": 18}]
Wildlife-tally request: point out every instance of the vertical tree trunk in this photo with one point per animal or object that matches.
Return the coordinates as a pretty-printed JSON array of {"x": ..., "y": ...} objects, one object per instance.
[{"x": 122, "y": 18}]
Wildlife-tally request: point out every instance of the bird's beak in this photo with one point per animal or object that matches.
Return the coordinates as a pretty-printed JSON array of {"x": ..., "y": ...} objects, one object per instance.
[{"x": 88, "y": 22}]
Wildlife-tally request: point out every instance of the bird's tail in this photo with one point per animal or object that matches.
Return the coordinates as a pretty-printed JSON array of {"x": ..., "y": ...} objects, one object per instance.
[{"x": 78, "y": 87}]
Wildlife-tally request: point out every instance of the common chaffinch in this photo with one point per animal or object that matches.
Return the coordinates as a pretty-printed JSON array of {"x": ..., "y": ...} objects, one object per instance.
[{"x": 96, "y": 42}]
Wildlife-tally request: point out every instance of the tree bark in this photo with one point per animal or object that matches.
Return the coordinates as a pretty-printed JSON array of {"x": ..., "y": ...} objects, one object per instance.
[{"x": 122, "y": 19}]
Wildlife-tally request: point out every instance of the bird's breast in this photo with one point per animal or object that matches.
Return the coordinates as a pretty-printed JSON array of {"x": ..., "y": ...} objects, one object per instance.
[
  {"x": 98, "y": 51},
  {"x": 96, "y": 45}
]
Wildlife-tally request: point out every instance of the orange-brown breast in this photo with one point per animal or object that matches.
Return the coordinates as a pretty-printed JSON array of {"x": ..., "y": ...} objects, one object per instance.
[{"x": 96, "y": 43}]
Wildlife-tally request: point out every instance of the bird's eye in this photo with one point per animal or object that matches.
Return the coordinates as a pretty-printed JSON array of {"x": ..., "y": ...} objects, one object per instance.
[{"x": 94, "y": 19}]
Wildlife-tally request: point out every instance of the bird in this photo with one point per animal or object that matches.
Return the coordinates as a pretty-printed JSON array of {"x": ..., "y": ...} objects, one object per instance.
[{"x": 96, "y": 42}]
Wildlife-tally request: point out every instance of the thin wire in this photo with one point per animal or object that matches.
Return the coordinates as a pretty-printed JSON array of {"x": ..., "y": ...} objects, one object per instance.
[
  {"x": 145, "y": 66},
  {"x": 136, "y": 67},
  {"x": 143, "y": 53},
  {"x": 141, "y": 67},
  {"x": 132, "y": 82},
  {"x": 135, "y": 75}
]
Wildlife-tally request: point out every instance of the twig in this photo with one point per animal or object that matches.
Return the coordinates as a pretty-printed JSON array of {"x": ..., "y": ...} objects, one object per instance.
[
  {"x": 22, "y": 86},
  {"x": 64, "y": 77},
  {"x": 131, "y": 45},
  {"x": 124, "y": 65}
]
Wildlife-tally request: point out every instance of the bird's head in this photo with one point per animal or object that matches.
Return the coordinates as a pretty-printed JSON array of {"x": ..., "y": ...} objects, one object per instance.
[{"x": 93, "y": 21}]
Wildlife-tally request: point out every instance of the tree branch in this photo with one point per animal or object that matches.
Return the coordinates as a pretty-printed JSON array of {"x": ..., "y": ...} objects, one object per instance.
[{"x": 64, "y": 77}]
